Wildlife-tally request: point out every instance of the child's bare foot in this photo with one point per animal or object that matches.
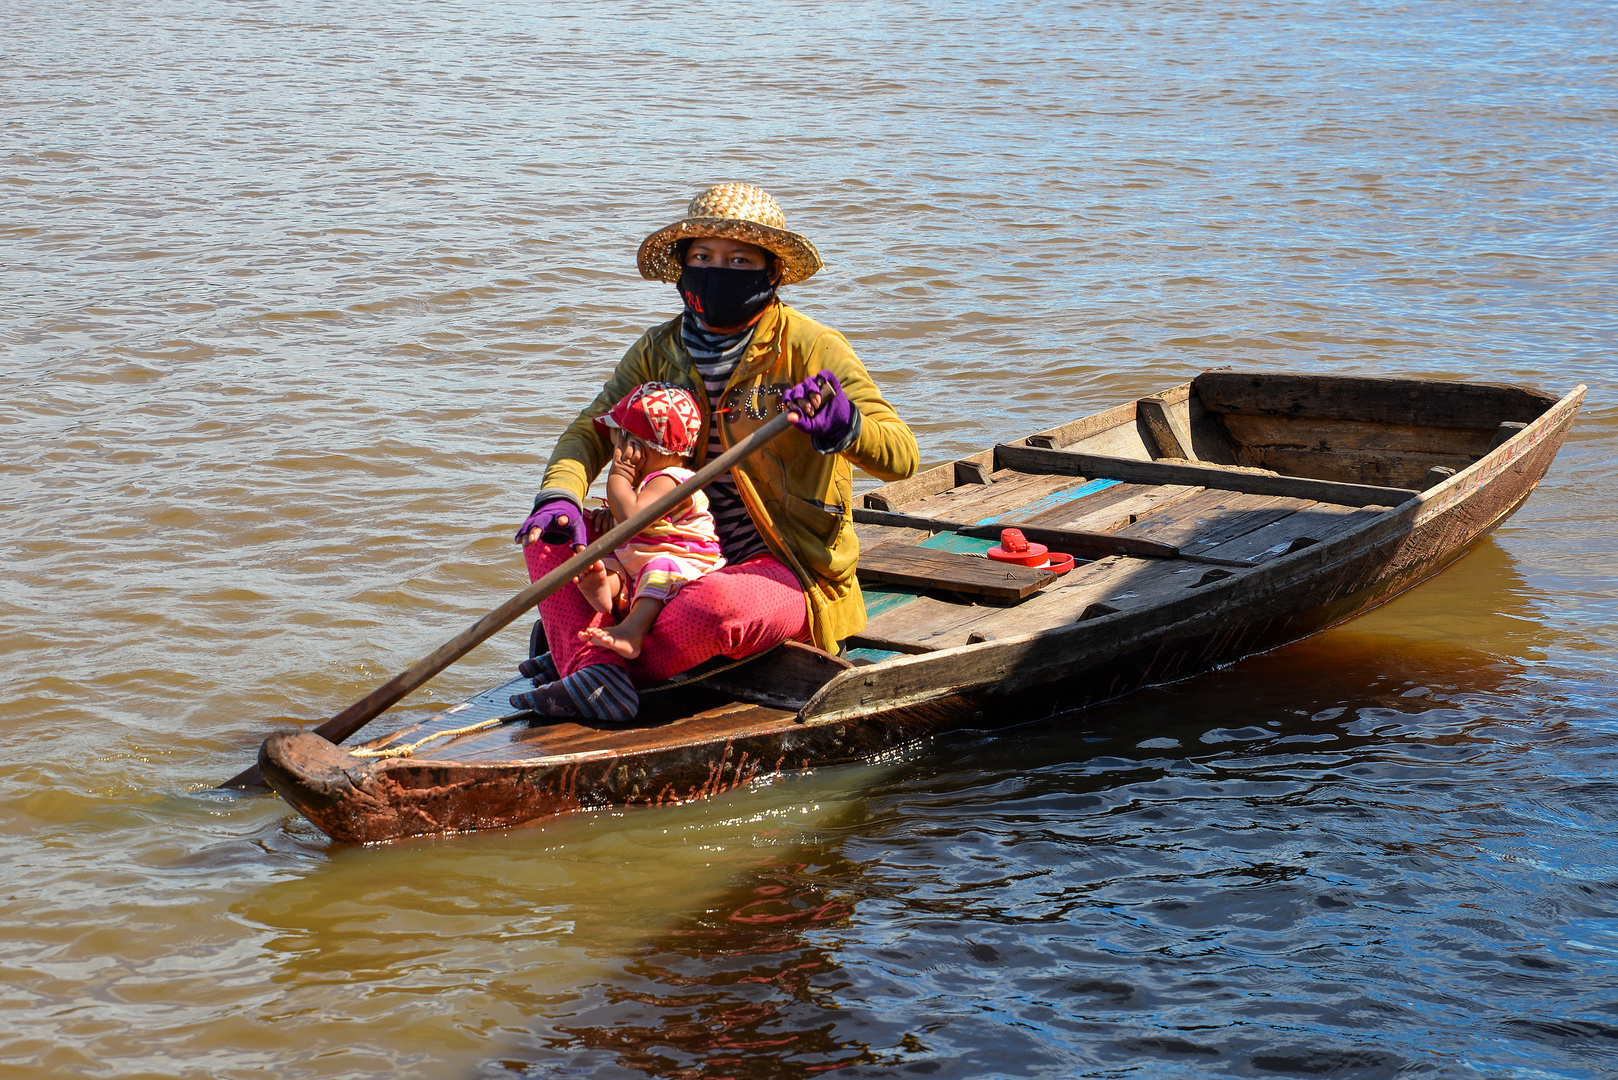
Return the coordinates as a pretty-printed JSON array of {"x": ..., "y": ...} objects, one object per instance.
[
  {"x": 599, "y": 587},
  {"x": 625, "y": 643}
]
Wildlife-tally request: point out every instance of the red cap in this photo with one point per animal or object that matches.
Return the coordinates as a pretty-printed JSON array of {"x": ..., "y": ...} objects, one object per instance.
[{"x": 663, "y": 416}]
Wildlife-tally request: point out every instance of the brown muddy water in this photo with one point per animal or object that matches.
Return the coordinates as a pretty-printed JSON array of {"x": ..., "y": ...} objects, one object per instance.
[{"x": 297, "y": 296}]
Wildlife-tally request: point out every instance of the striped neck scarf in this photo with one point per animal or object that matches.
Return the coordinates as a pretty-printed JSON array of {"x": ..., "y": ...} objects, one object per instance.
[
  {"x": 715, "y": 356},
  {"x": 713, "y": 351}
]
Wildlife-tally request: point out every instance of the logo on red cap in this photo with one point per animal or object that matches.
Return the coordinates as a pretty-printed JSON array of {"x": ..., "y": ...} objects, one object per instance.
[{"x": 663, "y": 416}]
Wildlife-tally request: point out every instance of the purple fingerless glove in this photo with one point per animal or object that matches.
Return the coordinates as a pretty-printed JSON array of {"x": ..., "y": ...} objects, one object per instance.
[
  {"x": 552, "y": 531},
  {"x": 835, "y": 423}
]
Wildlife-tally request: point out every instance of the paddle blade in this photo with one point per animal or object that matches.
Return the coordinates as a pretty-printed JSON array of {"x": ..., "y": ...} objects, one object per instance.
[{"x": 249, "y": 782}]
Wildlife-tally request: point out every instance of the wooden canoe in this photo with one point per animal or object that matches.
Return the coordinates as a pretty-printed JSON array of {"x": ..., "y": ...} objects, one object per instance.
[{"x": 1219, "y": 518}]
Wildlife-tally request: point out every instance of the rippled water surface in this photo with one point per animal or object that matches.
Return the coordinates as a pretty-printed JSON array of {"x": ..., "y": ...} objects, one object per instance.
[{"x": 297, "y": 296}]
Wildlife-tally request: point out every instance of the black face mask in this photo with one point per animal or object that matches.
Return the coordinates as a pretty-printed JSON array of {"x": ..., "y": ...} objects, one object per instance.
[{"x": 720, "y": 296}]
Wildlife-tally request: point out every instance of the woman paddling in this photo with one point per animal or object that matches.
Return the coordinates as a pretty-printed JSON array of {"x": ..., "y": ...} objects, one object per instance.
[{"x": 783, "y": 515}]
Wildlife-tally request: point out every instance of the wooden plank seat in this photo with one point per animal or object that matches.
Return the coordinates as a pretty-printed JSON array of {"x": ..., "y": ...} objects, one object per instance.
[{"x": 919, "y": 567}]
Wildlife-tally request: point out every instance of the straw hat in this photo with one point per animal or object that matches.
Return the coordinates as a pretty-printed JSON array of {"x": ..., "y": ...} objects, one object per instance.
[{"x": 735, "y": 212}]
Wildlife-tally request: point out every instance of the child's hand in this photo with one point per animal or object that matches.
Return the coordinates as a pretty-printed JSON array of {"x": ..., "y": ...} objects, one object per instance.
[{"x": 627, "y": 457}]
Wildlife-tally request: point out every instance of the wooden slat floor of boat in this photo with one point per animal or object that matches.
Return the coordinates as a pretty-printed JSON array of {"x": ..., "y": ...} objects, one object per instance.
[
  {"x": 930, "y": 623},
  {"x": 1114, "y": 509},
  {"x": 1315, "y": 521},
  {"x": 1198, "y": 519},
  {"x": 970, "y": 504},
  {"x": 534, "y": 738},
  {"x": 1209, "y": 517},
  {"x": 538, "y": 740},
  {"x": 872, "y": 535},
  {"x": 1246, "y": 528},
  {"x": 1198, "y": 473},
  {"x": 926, "y": 623},
  {"x": 1097, "y": 505},
  {"x": 1123, "y": 583}
]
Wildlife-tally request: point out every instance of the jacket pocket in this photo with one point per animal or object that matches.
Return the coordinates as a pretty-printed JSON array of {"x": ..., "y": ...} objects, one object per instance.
[{"x": 822, "y": 521}]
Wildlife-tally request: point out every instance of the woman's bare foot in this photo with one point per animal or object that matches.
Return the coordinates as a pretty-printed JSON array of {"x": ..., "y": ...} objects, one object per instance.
[
  {"x": 626, "y": 643},
  {"x": 599, "y": 587}
]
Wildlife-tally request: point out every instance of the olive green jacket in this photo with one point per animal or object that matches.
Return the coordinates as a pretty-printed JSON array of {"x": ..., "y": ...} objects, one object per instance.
[{"x": 800, "y": 499}]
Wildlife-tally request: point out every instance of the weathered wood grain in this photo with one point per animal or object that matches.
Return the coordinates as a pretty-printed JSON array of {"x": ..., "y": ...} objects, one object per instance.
[
  {"x": 925, "y": 483},
  {"x": 1369, "y": 468},
  {"x": 871, "y": 534},
  {"x": 1161, "y": 436},
  {"x": 922, "y": 568},
  {"x": 1058, "y": 511},
  {"x": 1311, "y": 524},
  {"x": 1118, "y": 583},
  {"x": 1210, "y": 441},
  {"x": 1031, "y": 459},
  {"x": 927, "y": 624},
  {"x": 1119, "y": 416},
  {"x": 968, "y": 471},
  {"x": 1209, "y": 518},
  {"x": 1081, "y": 544},
  {"x": 1304, "y": 433},
  {"x": 971, "y": 503},
  {"x": 785, "y": 677},
  {"x": 1116, "y": 514},
  {"x": 1423, "y": 402}
]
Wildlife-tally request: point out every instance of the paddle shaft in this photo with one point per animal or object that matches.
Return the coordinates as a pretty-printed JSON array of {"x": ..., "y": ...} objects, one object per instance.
[{"x": 383, "y": 697}]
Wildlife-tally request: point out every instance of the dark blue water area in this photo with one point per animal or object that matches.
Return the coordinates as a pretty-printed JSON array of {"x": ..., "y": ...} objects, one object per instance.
[{"x": 1364, "y": 855}]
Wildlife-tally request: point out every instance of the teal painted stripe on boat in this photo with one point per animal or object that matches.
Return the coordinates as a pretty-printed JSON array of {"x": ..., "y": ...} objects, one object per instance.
[
  {"x": 882, "y": 601},
  {"x": 876, "y": 656},
  {"x": 1052, "y": 501},
  {"x": 960, "y": 545}
]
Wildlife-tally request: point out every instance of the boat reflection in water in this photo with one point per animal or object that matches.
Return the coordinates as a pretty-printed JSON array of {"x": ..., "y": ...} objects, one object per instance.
[
  {"x": 746, "y": 987},
  {"x": 1228, "y": 840}
]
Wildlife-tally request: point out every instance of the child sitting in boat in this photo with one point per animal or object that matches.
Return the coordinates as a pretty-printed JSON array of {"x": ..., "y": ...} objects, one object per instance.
[{"x": 653, "y": 431}]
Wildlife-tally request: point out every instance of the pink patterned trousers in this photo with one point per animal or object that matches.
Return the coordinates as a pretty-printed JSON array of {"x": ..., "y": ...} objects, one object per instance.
[{"x": 735, "y": 611}]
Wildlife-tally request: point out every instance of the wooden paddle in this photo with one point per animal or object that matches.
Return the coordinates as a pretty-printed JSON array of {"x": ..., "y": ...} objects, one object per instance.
[{"x": 379, "y": 700}]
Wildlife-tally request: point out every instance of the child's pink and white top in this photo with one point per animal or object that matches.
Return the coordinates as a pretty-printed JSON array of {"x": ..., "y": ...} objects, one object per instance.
[{"x": 673, "y": 551}]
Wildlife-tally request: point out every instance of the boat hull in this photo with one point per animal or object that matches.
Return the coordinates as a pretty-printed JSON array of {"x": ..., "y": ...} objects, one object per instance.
[{"x": 865, "y": 712}]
